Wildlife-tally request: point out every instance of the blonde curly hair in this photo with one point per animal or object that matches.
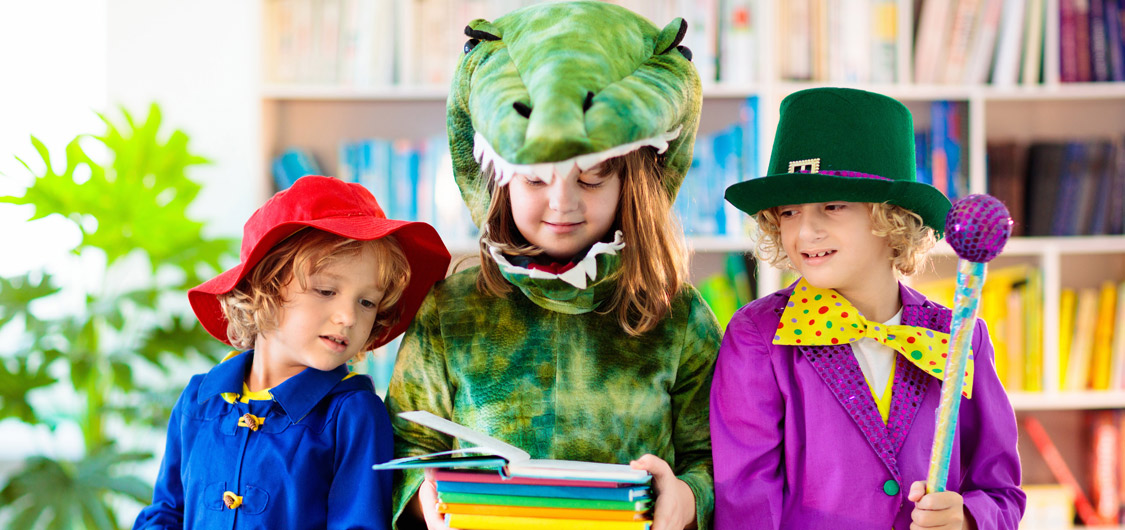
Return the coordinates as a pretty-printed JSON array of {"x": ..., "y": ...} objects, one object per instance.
[
  {"x": 254, "y": 305},
  {"x": 907, "y": 236}
]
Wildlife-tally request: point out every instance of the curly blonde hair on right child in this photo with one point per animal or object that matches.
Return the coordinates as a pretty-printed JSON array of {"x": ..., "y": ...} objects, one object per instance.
[
  {"x": 909, "y": 238},
  {"x": 254, "y": 306}
]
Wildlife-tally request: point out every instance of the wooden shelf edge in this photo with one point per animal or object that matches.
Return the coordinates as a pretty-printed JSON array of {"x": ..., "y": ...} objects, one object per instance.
[
  {"x": 439, "y": 93},
  {"x": 1077, "y": 400}
]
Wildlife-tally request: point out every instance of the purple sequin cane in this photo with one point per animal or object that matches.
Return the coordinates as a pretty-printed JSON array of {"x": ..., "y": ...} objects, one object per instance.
[{"x": 977, "y": 228}]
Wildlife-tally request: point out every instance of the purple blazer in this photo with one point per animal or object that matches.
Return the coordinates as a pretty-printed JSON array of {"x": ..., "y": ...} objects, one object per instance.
[{"x": 798, "y": 441}]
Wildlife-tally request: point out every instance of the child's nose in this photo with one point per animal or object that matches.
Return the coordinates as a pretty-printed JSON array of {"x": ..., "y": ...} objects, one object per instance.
[
  {"x": 812, "y": 225},
  {"x": 563, "y": 195},
  {"x": 344, "y": 315}
]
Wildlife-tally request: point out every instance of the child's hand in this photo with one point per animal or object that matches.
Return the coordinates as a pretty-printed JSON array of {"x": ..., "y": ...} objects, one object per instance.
[
  {"x": 675, "y": 503},
  {"x": 944, "y": 509},
  {"x": 427, "y": 502}
]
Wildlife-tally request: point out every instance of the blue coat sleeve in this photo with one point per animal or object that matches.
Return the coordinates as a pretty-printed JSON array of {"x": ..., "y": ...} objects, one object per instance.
[
  {"x": 991, "y": 463},
  {"x": 360, "y": 497},
  {"x": 167, "y": 508}
]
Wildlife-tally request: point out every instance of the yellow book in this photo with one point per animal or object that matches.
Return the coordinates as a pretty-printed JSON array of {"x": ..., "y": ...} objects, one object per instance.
[
  {"x": 993, "y": 310},
  {"x": 1068, "y": 302},
  {"x": 1103, "y": 337},
  {"x": 1033, "y": 332},
  {"x": 499, "y": 522},
  {"x": 1081, "y": 347},
  {"x": 1117, "y": 362},
  {"x": 542, "y": 512},
  {"x": 1014, "y": 332}
]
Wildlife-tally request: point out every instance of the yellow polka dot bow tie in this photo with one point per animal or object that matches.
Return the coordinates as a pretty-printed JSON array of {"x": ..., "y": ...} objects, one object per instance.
[{"x": 822, "y": 317}]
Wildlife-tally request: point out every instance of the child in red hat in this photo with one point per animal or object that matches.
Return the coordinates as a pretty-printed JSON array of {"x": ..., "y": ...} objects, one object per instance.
[{"x": 282, "y": 435}]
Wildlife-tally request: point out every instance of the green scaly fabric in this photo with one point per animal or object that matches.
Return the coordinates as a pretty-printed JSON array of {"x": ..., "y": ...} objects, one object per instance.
[
  {"x": 546, "y": 90},
  {"x": 557, "y": 385},
  {"x": 599, "y": 80}
]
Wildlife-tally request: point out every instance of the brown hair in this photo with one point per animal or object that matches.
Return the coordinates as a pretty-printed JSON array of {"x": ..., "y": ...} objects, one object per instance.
[
  {"x": 254, "y": 305},
  {"x": 653, "y": 262},
  {"x": 907, "y": 236}
]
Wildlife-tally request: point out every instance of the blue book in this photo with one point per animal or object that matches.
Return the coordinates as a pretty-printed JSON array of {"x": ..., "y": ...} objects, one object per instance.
[
  {"x": 291, "y": 165},
  {"x": 748, "y": 122},
  {"x": 1113, "y": 41},
  {"x": 564, "y": 492},
  {"x": 403, "y": 176}
]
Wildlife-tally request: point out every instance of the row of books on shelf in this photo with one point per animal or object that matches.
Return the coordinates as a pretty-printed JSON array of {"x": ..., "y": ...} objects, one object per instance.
[
  {"x": 940, "y": 150},
  {"x": 719, "y": 160},
  {"x": 1092, "y": 40},
  {"x": 413, "y": 179},
  {"x": 1060, "y": 188},
  {"x": 1088, "y": 488},
  {"x": 366, "y": 43},
  {"x": 1091, "y": 330},
  {"x": 838, "y": 41},
  {"x": 980, "y": 41}
]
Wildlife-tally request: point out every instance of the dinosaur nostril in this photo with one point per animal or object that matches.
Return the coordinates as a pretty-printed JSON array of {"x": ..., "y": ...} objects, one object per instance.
[
  {"x": 589, "y": 101},
  {"x": 522, "y": 108}
]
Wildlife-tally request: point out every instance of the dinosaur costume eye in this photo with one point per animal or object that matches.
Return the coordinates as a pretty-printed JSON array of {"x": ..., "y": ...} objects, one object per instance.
[
  {"x": 589, "y": 101},
  {"x": 472, "y": 43},
  {"x": 522, "y": 108},
  {"x": 685, "y": 51}
]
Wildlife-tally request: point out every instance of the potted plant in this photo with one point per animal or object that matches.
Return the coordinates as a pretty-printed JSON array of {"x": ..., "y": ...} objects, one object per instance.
[{"x": 139, "y": 239}]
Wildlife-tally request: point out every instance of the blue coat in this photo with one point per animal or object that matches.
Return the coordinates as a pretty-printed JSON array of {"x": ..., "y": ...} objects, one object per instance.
[{"x": 307, "y": 466}]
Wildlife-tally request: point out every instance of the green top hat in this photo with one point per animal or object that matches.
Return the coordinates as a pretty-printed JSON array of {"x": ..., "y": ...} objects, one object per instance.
[{"x": 841, "y": 144}]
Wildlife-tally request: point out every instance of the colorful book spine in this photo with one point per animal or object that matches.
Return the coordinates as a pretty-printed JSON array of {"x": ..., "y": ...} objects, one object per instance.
[
  {"x": 542, "y": 513},
  {"x": 496, "y": 522},
  {"x": 545, "y": 502},
  {"x": 445, "y": 475},
  {"x": 565, "y": 492}
]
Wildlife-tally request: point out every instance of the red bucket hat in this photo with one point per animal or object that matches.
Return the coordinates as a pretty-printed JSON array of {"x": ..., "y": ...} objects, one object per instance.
[{"x": 332, "y": 205}]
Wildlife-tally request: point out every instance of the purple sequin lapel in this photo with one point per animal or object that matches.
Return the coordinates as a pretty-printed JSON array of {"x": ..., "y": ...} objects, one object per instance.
[{"x": 838, "y": 368}]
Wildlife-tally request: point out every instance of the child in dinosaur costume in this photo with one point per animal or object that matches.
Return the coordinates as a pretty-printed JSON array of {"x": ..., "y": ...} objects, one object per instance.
[{"x": 571, "y": 126}]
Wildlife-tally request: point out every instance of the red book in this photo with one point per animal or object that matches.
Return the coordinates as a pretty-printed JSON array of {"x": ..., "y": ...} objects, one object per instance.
[
  {"x": 1061, "y": 471},
  {"x": 1104, "y": 463}
]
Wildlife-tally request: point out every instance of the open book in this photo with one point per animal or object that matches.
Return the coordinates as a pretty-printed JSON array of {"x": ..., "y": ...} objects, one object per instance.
[{"x": 510, "y": 461}]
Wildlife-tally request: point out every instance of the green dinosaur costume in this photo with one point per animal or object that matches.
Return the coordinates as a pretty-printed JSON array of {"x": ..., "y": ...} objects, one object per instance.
[
  {"x": 552, "y": 87},
  {"x": 545, "y": 90}
]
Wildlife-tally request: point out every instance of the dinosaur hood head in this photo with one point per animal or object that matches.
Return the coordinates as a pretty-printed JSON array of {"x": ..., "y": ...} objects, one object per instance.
[{"x": 556, "y": 87}]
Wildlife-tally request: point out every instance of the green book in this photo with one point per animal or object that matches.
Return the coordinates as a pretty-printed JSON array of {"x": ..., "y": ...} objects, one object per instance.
[{"x": 544, "y": 502}]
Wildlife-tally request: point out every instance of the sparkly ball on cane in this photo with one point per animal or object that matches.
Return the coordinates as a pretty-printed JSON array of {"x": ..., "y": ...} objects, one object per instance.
[{"x": 977, "y": 227}]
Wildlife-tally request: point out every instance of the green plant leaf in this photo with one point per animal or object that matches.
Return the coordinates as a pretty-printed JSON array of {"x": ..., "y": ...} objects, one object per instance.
[
  {"x": 136, "y": 200},
  {"x": 18, "y": 377},
  {"x": 66, "y": 494}
]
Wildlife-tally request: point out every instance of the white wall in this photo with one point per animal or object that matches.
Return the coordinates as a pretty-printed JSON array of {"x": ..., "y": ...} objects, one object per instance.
[
  {"x": 200, "y": 60},
  {"x": 63, "y": 60}
]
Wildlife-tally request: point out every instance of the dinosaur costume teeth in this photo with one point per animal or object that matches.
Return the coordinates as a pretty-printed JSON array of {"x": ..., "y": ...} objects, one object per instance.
[
  {"x": 486, "y": 156},
  {"x": 560, "y": 87}
]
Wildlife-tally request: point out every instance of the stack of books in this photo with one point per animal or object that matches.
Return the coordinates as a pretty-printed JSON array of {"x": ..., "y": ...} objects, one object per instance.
[
  {"x": 480, "y": 500},
  {"x": 495, "y": 486}
]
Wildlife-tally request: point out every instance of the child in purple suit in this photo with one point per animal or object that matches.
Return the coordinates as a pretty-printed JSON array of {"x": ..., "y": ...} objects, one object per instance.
[{"x": 825, "y": 392}]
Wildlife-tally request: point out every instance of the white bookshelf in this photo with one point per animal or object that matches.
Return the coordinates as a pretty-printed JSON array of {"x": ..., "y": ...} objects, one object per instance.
[{"x": 318, "y": 117}]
